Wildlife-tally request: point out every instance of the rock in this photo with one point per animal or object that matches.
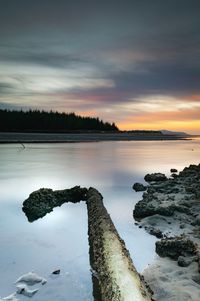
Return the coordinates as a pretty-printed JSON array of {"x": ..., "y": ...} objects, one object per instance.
[
  {"x": 139, "y": 187},
  {"x": 178, "y": 199},
  {"x": 173, "y": 170},
  {"x": 144, "y": 208},
  {"x": 184, "y": 261},
  {"x": 156, "y": 232},
  {"x": 31, "y": 279},
  {"x": 175, "y": 247},
  {"x": 56, "y": 272},
  {"x": 155, "y": 177},
  {"x": 24, "y": 290}
]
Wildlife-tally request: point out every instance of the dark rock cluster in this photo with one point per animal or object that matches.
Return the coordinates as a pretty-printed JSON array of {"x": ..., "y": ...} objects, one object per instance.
[
  {"x": 173, "y": 203},
  {"x": 175, "y": 247},
  {"x": 180, "y": 194}
]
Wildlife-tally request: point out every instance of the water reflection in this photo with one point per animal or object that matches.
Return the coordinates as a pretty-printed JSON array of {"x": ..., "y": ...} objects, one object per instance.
[{"x": 60, "y": 239}]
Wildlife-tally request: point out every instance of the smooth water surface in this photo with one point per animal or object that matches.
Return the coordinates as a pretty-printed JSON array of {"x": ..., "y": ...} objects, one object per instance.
[{"x": 59, "y": 240}]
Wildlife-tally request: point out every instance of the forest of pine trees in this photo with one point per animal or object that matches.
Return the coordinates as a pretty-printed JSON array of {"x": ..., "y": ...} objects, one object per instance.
[{"x": 36, "y": 120}]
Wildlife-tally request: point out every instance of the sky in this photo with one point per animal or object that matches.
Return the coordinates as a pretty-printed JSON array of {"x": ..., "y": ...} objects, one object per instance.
[{"x": 134, "y": 62}]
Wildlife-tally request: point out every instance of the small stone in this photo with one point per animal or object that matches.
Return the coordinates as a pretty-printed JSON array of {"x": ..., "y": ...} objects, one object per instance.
[
  {"x": 173, "y": 170},
  {"x": 24, "y": 290},
  {"x": 56, "y": 272},
  {"x": 156, "y": 232}
]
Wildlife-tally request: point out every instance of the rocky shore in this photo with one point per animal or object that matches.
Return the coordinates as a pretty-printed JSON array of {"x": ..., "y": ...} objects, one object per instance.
[
  {"x": 170, "y": 210},
  {"x": 113, "y": 273}
]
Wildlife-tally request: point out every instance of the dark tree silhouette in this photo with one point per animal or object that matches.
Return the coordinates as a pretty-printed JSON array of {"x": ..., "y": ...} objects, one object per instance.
[{"x": 36, "y": 120}]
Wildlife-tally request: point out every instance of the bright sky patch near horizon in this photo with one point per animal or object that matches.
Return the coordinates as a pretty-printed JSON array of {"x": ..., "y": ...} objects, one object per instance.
[{"x": 133, "y": 62}]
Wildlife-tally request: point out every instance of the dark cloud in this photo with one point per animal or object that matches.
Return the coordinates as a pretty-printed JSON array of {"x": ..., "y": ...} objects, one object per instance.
[
  {"x": 6, "y": 88},
  {"x": 48, "y": 59},
  {"x": 143, "y": 47}
]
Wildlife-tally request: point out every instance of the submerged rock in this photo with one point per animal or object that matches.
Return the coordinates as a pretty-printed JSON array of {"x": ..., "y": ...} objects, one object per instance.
[
  {"x": 24, "y": 290},
  {"x": 139, "y": 187},
  {"x": 31, "y": 279},
  {"x": 11, "y": 297}
]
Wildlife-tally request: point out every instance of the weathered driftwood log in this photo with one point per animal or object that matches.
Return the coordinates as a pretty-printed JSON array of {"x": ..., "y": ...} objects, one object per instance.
[
  {"x": 113, "y": 273},
  {"x": 42, "y": 201},
  {"x": 116, "y": 276}
]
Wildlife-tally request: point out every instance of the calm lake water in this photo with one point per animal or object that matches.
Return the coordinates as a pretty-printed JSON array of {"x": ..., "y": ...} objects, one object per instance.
[{"x": 59, "y": 240}]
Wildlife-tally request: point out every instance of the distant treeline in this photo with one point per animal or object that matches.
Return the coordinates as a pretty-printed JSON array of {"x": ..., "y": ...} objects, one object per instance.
[{"x": 36, "y": 120}]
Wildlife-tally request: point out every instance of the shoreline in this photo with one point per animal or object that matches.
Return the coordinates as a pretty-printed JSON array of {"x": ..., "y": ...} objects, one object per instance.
[
  {"x": 17, "y": 137},
  {"x": 169, "y": 210}
]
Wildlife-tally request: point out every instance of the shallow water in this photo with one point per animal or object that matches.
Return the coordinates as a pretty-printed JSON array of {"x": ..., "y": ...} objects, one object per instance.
[{"x": 59, "y": 240}]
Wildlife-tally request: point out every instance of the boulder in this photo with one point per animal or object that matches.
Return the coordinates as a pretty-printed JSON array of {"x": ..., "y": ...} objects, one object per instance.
[
  {"x": 175, "y": 247},
  {"x": 155, "y": 177},
  {"x": 146, "y": 208},
  {"x": 139, "y": 187}
]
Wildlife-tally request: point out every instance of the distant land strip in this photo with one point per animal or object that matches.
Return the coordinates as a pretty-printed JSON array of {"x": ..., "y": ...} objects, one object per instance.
[
  {"x": 15, "y": 137},
  {"x": 35, "y": 126}
]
